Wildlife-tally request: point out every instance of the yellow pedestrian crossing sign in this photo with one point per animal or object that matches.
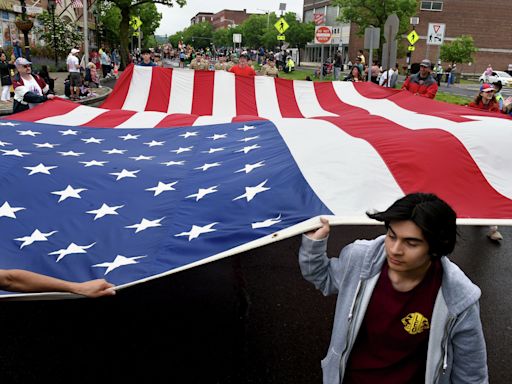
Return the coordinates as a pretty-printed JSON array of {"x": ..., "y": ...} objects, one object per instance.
[
  {"x": 413, "y": 37},
  {"x": 281, "y": 25}
]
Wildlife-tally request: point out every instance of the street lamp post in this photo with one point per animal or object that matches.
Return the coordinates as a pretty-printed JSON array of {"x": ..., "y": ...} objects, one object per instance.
[
  {"x": 25, "y": 26},
  {"x": 51, "y": 7},
  {"x": 268, "y": 15}
]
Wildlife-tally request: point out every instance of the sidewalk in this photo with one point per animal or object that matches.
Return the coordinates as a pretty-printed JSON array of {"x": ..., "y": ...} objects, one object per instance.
[{"x": 100, "y": 94}]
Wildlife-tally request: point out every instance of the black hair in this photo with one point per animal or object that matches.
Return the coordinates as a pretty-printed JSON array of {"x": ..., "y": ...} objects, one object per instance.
[
  {"x": 436, "y": 219},
  {"x": 145, "y": 51}
]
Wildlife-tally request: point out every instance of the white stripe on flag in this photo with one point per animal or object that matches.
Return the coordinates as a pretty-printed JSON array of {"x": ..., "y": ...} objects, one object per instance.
[
  {"x": 307, "y": 101},
  {"x": 266, "y": 97},
  {"x": 148, "y": 119},
  {"x": 182, "y": 91},
  {"x": 336, "y": 165},
  {"x": 138, "y": 93},
  {"x": 224, "y": 96},
  {"x": 210, "y": 120},
  {"x": 497, "y": 133},
  {"x": 78, "y": 116}
]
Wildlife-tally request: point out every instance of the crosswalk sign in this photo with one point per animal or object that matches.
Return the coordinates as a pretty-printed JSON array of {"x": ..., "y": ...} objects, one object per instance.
[
  {"x": 281, "y": 25},
  {"x": 281, "y": 37},
  {"x": 413, "y": 37}
]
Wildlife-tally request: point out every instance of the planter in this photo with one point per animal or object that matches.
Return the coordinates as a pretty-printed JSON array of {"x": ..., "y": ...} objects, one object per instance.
[{"x": 24, "y": 25}]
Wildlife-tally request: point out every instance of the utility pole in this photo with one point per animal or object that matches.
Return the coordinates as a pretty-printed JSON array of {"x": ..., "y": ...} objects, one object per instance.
[{"x": 86, "y": 31}]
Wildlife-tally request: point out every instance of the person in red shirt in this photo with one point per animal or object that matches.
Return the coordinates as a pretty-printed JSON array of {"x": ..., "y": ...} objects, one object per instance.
[
  {"x": 422, "y": 83},
  {"x": 243, "y": 68},
  {"x": 486, "y": 99}
]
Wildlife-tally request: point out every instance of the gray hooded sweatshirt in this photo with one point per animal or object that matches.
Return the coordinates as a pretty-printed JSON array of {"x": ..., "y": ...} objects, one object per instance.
[{"x": 456, "y": 347}]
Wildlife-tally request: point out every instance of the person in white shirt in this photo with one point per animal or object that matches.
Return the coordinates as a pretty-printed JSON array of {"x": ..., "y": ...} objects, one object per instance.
[{"x": 74, "y": 74}]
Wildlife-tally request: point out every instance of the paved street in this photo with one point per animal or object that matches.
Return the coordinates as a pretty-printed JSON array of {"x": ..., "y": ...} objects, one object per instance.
[{"x": 245, "y": 319}]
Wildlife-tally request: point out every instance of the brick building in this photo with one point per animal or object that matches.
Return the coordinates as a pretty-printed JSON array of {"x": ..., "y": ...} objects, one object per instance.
[
  {"x": 228, "y": 17},
  {"x": 488, "y": 24},
  {"x": 201, "y": 17}
]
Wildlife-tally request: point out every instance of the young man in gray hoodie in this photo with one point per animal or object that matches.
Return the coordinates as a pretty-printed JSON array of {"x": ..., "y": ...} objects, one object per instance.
[{"x": 405, "y": 313}]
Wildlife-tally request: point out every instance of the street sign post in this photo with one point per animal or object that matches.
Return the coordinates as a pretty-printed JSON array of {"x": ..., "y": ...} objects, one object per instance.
[
  {"x": 281, "y": 25},
  {"x": 371, "y": 42},
  {"x": 389, "y": 48},
  {"x": 323, "y": 35},
  {"x": 435, "y": 35},
  {"x": 281, "y": 37}
]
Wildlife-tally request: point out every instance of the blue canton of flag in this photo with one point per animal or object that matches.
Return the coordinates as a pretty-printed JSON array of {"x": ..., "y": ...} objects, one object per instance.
[{"x": 129, "y": 205}]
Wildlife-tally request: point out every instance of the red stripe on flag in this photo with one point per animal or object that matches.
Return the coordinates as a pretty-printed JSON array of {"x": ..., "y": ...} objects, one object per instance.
[
  {"x": 159, "y": 90},
  {"x": 177, "y": 120},
  {"x": 428, "y": 160},
  {"x": 244, "y": 118},
  {"x": 202, "y": 100},
  {"x": 110, "y": 119},
  {"x": 50, "y": 108},
  {"x": 418, "y": 104},
  {"x": 118, "y": 96},
  {"x": 245, "y": 96},
  {"x": 286, "y": 97},
  {"x": 328, "y": 99}
]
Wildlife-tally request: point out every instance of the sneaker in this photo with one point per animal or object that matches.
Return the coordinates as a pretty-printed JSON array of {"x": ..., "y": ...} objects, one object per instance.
[{"x": 494, "y": 234}]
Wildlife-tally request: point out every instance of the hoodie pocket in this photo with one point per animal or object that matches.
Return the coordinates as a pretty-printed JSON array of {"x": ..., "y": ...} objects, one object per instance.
[{"x": 331, "y": 367}]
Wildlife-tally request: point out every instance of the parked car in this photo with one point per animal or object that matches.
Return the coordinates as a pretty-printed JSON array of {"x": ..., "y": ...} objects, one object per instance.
[{"x": 497, "y": 77}]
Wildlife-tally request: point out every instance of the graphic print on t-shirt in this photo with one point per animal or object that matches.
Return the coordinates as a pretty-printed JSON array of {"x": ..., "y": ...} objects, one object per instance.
[{"x": 415, "y": 323}]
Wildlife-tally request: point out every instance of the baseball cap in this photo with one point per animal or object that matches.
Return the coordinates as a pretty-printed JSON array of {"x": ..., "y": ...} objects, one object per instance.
[
  {"x": 487, "y": 88},
  {"x": 22, "y": 61},
  {"x": 426, "y": 63},
  {"x": 74, "y": 50}
]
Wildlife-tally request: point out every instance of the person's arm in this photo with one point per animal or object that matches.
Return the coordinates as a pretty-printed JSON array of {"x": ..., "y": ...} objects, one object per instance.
[
  {"x": 314, "y": 264},
  {"x": 18, "y": 280},
  {"x": 406, "y": 83},
  {"x": 469, "y": 351}
]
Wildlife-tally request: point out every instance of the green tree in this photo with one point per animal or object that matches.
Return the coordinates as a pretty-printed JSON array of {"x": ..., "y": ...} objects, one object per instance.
[
  {"x": 128, "y": 8},
  {"x": 66, "y": 37},
  {"x": 223, "y": 37},
  {"x": 297, "y": 35},
  {"x": 252, "y": 30},
  {"x": 460, "y": 50},
  {"x": 150, "y": 18},
  {"x": 365, "y": 13},
  {"x": 198, "y": 35}
]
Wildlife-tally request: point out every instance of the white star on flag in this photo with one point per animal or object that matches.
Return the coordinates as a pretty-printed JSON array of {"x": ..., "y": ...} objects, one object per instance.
[
  {"x": 105, "y": 210},
  {"x": 154, "y": 143},
  {"x": 196, "y": 231},
  {"x": 247, "y": 128},
  {"x": 169, "y": 163},
  {"x": 69, "y": 192},
  {"x": 28, "y": 133},
  {"x": 162, "y": 187},
  {"x": 245, "y": 140},
  {"x": 266, "y": 223},
  {"x": 9, "y": 124},
  {"x": 92, "y": 140},
  {"x": 115, "y": 151},
  {"x": 7, "y": 211},
  {"x": 207, "y": 166},
  {"x": 4, "y": 143},
  {"x": 218, "y": 136},
  {"x": 129, "y": 137},
  {"x": 180, "y": 150},
  {"x": 69, "y": 132},
  {"x": 71, "y": 249},
  {"x": 14, "y": 152},
  {"x": 45, "y": 145},
  {"x": 250, "y": 192},
  {"x": 142, "y": 157},
  {"x": 93, "y": 163},
  {"x": 145, "y": 224},
  {"x": 124, "y": 173},
  {"x": 202, "y": 192},
  {"x": 40, "y": 168},
  {"x": 249, "y": 167},
  {"x": 119, "y": 261},
  {"x": 188, "y": 134},
  {"x": 71, "y": 153},
  {"x": 248, "y": 149},
  {"x": 35, "y": 236},
  {"x": 213, "y": 150}
]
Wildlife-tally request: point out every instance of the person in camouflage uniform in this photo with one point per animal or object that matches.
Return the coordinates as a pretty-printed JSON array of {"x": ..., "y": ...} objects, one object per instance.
[
  {"x": 221, "y": 65},
  {"x": 199, "y": 63},
  {"x": 270, "y": 68}
]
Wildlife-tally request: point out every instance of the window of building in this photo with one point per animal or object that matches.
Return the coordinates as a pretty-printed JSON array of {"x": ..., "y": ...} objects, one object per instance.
[
  {"x": 331, "y": 16},
  {"x": 308, "y": 16},
  {"x": 431, "y": 6}
]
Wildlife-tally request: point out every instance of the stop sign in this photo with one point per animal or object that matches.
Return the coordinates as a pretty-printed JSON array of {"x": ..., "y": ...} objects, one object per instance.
[{"x": 323, "y": 35}]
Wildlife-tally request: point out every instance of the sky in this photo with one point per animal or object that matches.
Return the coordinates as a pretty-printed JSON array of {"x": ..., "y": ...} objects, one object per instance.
[{"x": 176, "y": 19}]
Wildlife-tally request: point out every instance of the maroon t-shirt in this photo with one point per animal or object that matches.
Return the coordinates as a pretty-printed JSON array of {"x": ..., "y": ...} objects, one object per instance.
[{"x": 391, "y": 346}]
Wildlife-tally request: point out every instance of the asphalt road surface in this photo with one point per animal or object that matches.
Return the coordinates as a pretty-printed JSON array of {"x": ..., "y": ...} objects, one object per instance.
[{"x": 245, "y": 319}]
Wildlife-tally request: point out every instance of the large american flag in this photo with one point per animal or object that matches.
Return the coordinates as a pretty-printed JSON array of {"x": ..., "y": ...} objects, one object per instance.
[{"x": 239, "y": 163}]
